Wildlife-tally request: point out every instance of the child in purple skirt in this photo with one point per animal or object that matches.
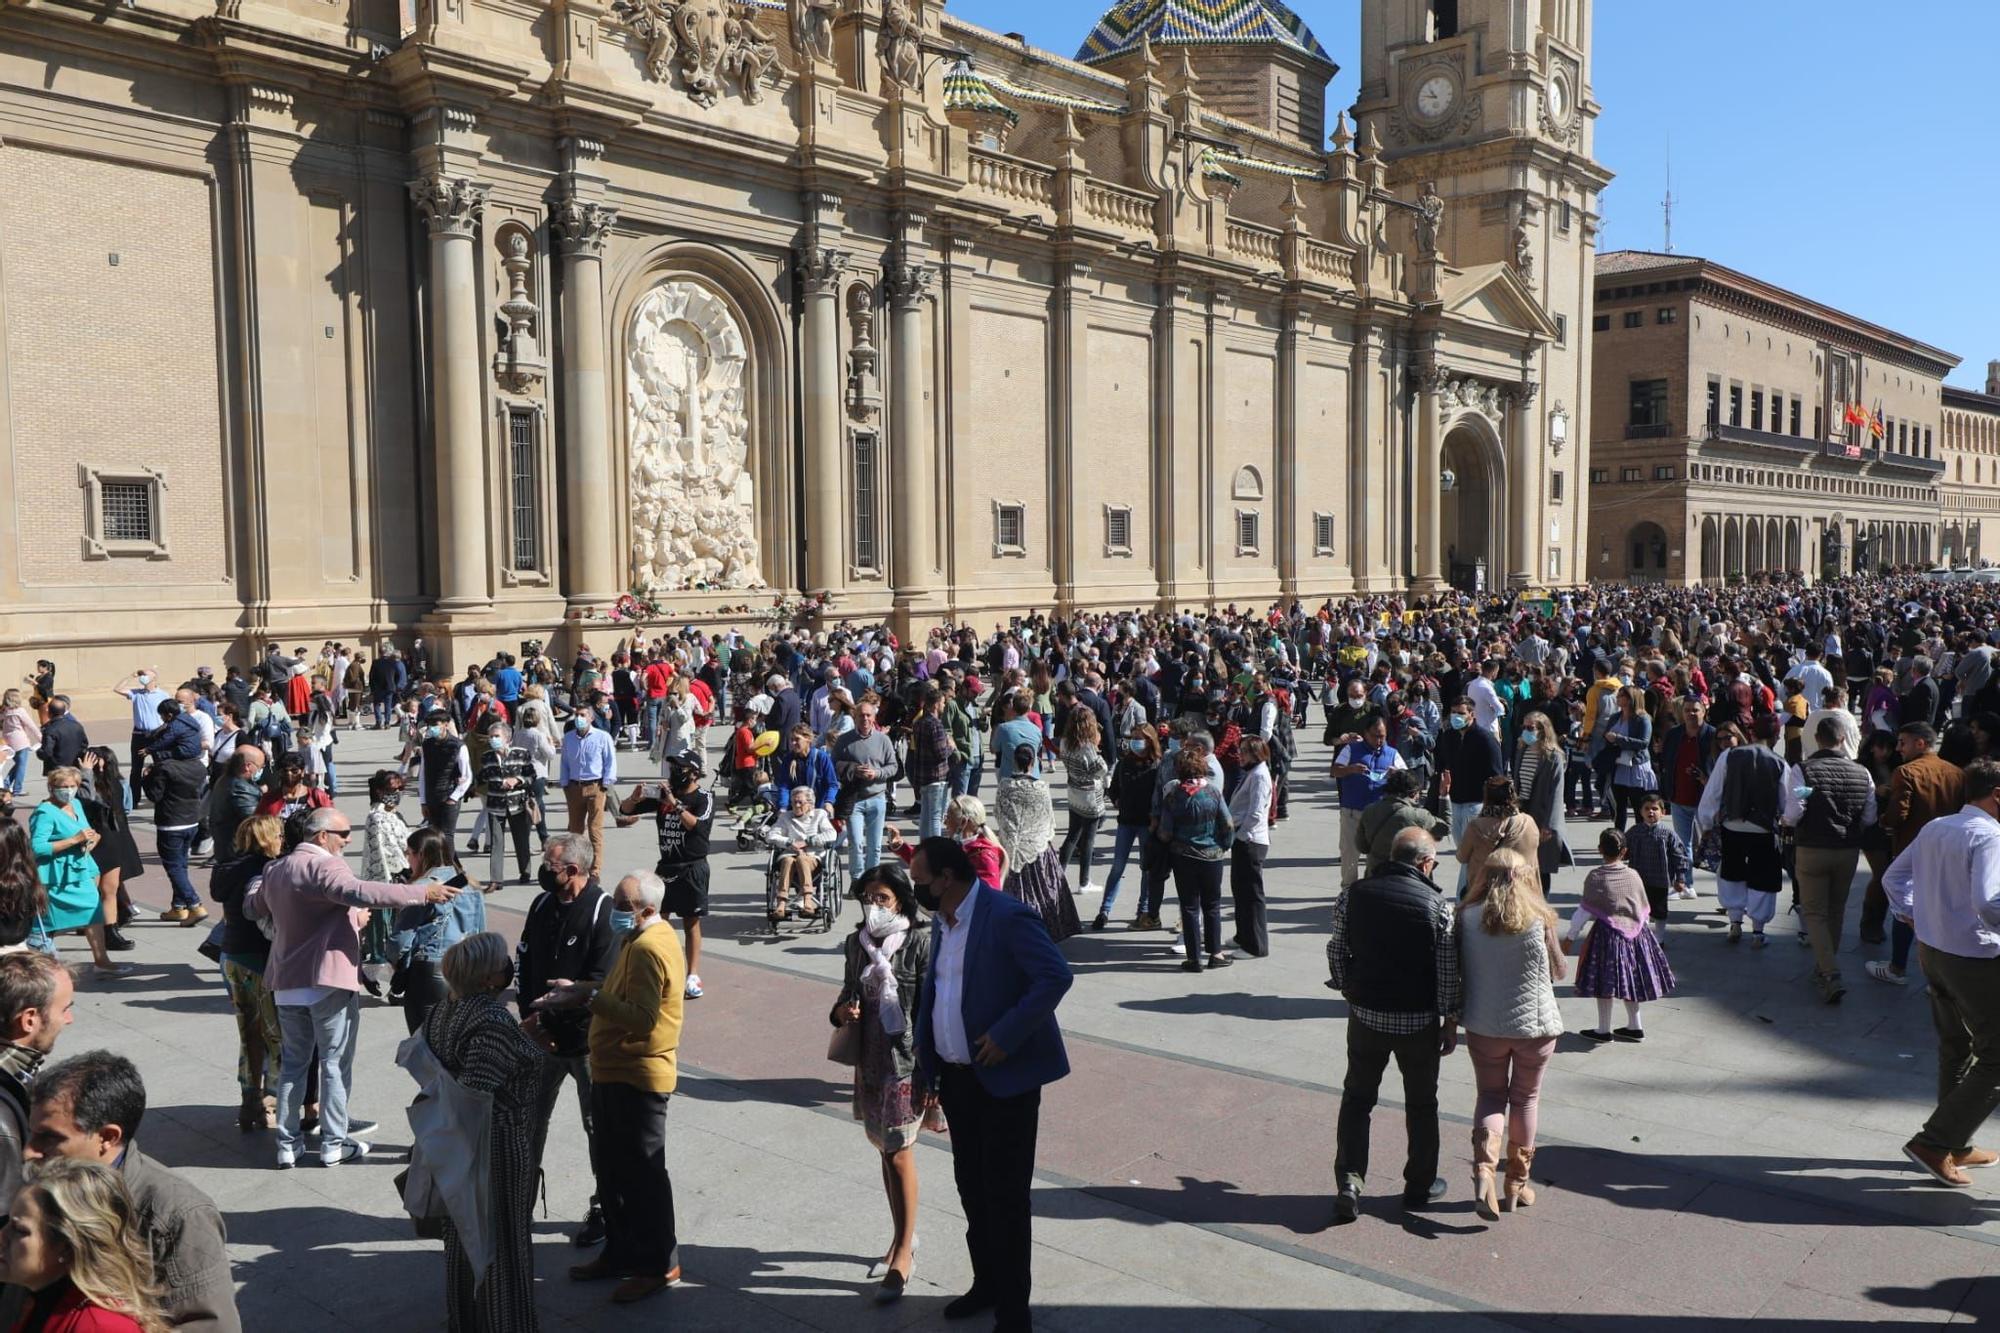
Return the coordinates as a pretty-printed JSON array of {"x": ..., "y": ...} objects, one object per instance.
[{"x": 1621, "y": 959}]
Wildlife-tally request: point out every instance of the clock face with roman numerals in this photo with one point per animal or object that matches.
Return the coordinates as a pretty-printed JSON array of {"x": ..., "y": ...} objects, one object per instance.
[{"x": 1435, "y": 97}]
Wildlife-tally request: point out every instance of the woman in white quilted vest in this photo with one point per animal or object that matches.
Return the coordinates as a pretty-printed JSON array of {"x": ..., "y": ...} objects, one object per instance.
[{"x": 1509, "y": 961}]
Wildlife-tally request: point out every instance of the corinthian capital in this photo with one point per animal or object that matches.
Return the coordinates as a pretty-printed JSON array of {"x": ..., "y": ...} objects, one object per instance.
[
  {"x": 820, "y": 267},
  {"x": 1524, "y": 393},
  {"x": 1426, "y": 376},
  {"x": 449, "y": 205},
  {"x": 908, "y": 284},
  {"x": 579, "y": 225}
]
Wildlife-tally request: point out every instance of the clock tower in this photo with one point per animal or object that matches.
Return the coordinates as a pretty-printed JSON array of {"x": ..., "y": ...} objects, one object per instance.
[{"x": 1489, "y": 102}]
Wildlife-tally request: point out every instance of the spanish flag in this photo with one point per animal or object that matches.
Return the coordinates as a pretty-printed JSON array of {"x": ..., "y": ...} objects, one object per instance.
[{"x": 1857, "y": 415}]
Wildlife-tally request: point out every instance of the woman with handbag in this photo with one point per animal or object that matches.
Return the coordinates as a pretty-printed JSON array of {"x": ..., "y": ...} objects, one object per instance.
[
  {"x": 874, "y": 1021},
  {"x": 474, "y": 1036},
  {"x": 424, "y": 932}
]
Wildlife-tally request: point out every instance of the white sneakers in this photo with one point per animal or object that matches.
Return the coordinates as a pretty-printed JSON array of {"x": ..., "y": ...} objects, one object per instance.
[
  {"x": 693, "y": 991},
  {"x": 1884, "y": 972}
]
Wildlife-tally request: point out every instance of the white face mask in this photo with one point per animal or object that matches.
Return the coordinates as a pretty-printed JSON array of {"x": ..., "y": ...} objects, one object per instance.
[{"x": 883, "y": 922}]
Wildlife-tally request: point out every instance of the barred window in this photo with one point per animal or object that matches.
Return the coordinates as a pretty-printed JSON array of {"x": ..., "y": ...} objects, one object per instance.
[
  {"x": 1246, "y": 531},
  {"x": 1117, "y": 529},
  {"x": 867, "y": 502},
  {"x": 1010, "y": 528},
  {"x": 524, "y": 475},
  {"x": 1322, "y": 534},
  {"x": 128, "y": 511}
]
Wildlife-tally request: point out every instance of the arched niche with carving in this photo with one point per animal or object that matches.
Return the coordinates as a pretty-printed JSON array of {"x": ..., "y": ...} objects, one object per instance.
[{"x": 1248, "y": 484}]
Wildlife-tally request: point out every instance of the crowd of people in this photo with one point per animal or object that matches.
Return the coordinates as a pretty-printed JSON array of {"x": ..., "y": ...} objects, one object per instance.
[{"x": 1774, "y": 737}]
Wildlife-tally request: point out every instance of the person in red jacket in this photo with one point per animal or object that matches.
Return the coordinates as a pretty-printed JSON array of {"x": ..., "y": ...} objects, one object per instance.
[
  {"x": 744, "y": 776},
  {"x": 73, "y": 1243}
]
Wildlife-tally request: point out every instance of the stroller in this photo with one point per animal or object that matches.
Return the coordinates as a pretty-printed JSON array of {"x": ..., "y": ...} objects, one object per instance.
[{"x": 755, "y": 824}]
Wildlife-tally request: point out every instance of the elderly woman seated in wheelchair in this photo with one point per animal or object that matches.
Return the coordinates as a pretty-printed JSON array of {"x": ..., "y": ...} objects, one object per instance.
[{"x": 798, "y": 839}]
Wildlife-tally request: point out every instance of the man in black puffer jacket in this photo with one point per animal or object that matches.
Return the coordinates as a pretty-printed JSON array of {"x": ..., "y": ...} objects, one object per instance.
[
  {"x": 1394, "y": 957},
  {"x": 1828, "y": 820}
]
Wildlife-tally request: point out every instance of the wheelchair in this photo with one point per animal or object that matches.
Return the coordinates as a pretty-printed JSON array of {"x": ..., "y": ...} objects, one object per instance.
[{"x": 821, "y": 919}]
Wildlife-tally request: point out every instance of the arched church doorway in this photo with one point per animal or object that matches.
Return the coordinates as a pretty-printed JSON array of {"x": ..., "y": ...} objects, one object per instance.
[
  {"x": 1646, "y": 552},
  {"x": 1468, "y": 518}
]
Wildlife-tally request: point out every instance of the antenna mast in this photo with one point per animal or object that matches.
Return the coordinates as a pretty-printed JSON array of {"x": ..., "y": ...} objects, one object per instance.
[{"x": 1667, "y": 204}]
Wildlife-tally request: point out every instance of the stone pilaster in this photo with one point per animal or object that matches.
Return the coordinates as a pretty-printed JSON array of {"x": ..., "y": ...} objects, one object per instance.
[
  {"x": 820, "y": 268},
  {"x": 578, "y": 226},
  {"x": 450, "y": 206},
  {"x": 907, "y": 284},
  {"x": 1428, "y": 483},
  {"x": 1525, "y": 491}
]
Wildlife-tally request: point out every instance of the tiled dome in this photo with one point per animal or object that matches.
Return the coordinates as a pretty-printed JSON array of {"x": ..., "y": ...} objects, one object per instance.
[{"x": 1197, "y": 23}]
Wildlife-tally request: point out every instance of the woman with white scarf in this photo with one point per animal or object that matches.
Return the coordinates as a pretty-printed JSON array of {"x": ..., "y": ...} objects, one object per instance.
[{"x": 887, "y": 956}]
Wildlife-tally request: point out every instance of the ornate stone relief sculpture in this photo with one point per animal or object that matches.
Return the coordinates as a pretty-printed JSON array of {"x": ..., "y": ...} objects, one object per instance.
[
  {"x": 1524, "y": 253},
  {"x": 1457, "y": 393},
  {"x": 812, "y": 29},
  {"x": 694, "y": 512},
  {"x": 705, "y": 39},
  {"x": 902, "y": 45}
]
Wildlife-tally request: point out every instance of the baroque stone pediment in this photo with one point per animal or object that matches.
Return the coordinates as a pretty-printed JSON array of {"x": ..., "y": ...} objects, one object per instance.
[
  {"x": 1495, "y": 294},
  {"x": 704, "y": 40}
]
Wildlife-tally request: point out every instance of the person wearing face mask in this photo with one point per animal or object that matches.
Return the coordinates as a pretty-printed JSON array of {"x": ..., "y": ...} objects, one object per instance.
[
  {"x": 423, "y": 931},
  {"x": 444, "y": 772},
  {"x": 475, "y": 1042},
  {"x": 635, "y": 1035},
  {"x": 1133, "y": 783},
  {"x": 63, "y": 839},
  {"x": 589, "y": 772},
  {"x": 1468, "y": 757},
  {"x": 888, "y": 959},
  {"x": 139, "y": 690},
  {"x": 1346, "y": 714},
  {"x": 685, "y": 814},
  {"x": 571, "y": 932}
]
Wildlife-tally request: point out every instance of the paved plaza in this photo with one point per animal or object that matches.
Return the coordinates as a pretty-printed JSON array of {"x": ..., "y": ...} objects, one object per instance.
[{"x": 1743, "y": 1163}]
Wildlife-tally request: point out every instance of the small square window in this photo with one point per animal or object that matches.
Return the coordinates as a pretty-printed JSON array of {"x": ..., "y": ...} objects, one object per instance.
[
  {"x": 1600, "y": 323},
  {"x": 1246, "y": 532},
  {"x": 1635, "y": 319},
  {"x": 1599, "y": 475},
  {"x": 1555, "y": 488},
  {"x": 1117, "y": 529},
  {"x": 1010, "y": 528},
  {"x": 1629, "y": 474},
  {"x": 1322, "y": 533},
  {"x": 124, "y": 512},
  {"x": 1667, "y": 315},
  {"x": 1664, "y": 472}
]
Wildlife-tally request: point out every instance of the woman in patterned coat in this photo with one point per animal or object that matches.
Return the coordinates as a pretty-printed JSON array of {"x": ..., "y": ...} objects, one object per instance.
[{"x": 477, "y": 1040}]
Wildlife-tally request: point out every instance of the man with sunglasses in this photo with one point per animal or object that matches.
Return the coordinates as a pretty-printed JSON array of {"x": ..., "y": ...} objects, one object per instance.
[{"x": 314, "y": 977}]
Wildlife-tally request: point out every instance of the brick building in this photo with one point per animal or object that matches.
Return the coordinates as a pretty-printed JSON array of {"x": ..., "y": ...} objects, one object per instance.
[{"x": 1722, "y": 445}]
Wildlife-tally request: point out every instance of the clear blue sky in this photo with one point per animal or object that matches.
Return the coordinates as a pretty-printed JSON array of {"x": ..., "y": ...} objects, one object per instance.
[{"x": 1845, "y": 149}]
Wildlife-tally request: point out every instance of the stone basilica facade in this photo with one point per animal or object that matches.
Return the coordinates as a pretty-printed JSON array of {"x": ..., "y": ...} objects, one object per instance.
[{"x": 323, "y": 318}]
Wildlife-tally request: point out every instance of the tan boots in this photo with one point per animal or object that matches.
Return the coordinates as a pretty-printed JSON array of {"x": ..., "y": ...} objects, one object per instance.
[
  {"x": 1485, "y": 1159},
  {"x": 1519, "y": 1193}
]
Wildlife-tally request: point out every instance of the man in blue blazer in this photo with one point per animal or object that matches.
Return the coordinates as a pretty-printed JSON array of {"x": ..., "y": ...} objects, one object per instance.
[{"x": 986, "y": 1043}]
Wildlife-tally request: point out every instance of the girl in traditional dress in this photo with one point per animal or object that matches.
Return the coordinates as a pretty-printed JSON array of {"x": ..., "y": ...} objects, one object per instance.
[
  {"x": 1621, "y": 959},
  {"x": 1026, "y": 821}
]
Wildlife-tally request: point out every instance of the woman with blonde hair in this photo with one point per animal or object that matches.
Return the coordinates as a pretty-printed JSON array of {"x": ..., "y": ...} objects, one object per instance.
[
  {"x": 246, "y": 949},
  {"x": 73, "y": 1242},
  {"x": 1509, "y": 961}
]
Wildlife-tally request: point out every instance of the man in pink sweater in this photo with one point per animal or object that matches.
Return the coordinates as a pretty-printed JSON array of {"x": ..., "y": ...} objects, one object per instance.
[{"x": 318, "y": 906}]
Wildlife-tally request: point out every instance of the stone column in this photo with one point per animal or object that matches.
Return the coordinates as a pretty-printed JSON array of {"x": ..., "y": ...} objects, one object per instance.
[
  {"x": 449, "y": 205},
  {"x": 579, "y": 227},
  {"x": 819, "y": 270},
  {"x": 1363, "y": 446},
  {"x": 1525, "y": 490},
  {"x": 907, "y": 283},
  {"x": 1425, "y": 377},
  {"x": 1068, "y": 334}
]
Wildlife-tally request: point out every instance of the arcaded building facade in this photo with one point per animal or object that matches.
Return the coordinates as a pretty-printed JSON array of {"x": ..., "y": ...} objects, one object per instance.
[
  {"x": 1730, "y": 432},
  {"x": 330, "y": 318}
]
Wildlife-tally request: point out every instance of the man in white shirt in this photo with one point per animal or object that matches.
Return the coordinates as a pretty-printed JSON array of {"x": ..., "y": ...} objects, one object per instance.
[
  {"x": 1487, "y": 710},
  {"x": 1947, "y": 885},
  {"x": 1813, "y": 677}
]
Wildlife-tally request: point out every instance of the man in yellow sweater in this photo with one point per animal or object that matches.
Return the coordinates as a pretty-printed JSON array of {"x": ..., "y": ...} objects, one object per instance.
[{"x": 635, "y": 1037}]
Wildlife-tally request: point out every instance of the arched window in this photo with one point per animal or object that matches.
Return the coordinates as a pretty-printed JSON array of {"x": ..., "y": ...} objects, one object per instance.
[{"x": 1248, "y": 485}]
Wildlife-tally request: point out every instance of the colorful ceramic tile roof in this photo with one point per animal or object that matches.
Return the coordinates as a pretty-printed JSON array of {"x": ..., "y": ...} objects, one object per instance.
[
  {"x": 1197, "y": 23},
  {"x": 965, "y": 89},
  {"x": 1266, "y": 167}
]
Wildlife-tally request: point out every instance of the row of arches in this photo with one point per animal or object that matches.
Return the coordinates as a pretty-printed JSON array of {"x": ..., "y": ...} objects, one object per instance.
[{"x": 1735, "y": 546}]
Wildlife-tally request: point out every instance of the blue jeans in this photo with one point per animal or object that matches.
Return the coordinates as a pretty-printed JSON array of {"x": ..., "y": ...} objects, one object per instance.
[
  {"x": 1122, "y": 843},
  {"x": 932, "y": 798},
  {"x": 1462, "y": 815},
  {"x": 19, "y": 781},
  {"x": 864, "y": 834},
  {"x": 965, "y": 775},
  {"x": 385, "y": 711},
  {"x": 174, "y": 846},
  {"x": 331, "y": 1026},
  {"x": 1684, "y": 821}
]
